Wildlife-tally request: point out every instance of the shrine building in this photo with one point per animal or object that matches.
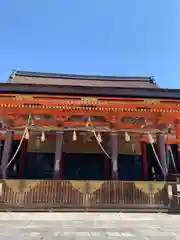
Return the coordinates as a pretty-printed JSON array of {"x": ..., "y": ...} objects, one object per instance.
[{"x": 81, "y": 127}]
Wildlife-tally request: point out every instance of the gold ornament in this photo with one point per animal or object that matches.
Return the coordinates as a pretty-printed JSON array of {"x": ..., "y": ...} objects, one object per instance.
[
  {"x": 22, "y": 186},
  {"x": 78, "y": 185},
  {"x": 87, "y": 186},
  {"x": 150, "y": 187},
  {"x": 94, "y": 186}
]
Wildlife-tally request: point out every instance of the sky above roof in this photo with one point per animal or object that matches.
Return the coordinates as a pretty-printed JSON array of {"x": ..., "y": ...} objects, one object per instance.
[{"x": 102, "y": 37}]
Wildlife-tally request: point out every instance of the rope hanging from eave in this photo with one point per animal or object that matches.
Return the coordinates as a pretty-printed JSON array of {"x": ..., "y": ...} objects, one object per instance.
[
  {"x": 172, "y": 158},
  {"x": 165, "y": 172},
  {"x": 89, "y": 124},
  {"x": 151, "y": 141},
  {"x": 21, "y": 141},
  {"x": 92, "y": 129},
  {"x": 172, "y": 155},
  {"x": 169, "y": 150}
]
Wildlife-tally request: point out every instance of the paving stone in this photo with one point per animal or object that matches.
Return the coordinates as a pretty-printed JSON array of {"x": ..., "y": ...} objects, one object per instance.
[{"x": 79, "y": 226}]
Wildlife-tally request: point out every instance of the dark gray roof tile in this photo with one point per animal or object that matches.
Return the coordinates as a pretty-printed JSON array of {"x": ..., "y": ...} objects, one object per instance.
[{"x": 24, "y": 77}]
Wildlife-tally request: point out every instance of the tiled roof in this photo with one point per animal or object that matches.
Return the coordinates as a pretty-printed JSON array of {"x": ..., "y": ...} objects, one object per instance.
[{"x": 23, "y": 77}]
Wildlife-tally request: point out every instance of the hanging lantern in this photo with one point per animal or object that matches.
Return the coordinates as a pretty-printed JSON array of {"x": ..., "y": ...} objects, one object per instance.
[
  {"x": 151, "y": 140},
  {"x": 74, "y": 136},
  {"x": 127, "y": 137},
  {"x": 43, "y": 138},
  {"x": 99, "y": 138},
  {"x": 26, "y": 136}
]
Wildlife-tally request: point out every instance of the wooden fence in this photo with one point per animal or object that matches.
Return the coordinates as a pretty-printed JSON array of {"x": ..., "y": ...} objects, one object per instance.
[{"x": 83, "y": 195}]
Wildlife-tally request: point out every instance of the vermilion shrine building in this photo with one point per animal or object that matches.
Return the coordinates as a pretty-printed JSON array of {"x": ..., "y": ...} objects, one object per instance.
[{"x": 78, "y": 127}]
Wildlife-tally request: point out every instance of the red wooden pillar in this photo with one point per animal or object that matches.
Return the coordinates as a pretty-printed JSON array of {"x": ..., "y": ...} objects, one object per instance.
[
  {"x": 144, "y": 159},
  {"x": 22, "y": 157}
]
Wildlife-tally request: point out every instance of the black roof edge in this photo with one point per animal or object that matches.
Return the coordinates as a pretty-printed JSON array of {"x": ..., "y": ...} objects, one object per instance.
[
  {"x": 158, "y": 93},
  {"x": 149, "y": 79}
]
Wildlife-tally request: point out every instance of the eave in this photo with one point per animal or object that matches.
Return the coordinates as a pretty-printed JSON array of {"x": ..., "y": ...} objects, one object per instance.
[{"x": 89, "y": 91}]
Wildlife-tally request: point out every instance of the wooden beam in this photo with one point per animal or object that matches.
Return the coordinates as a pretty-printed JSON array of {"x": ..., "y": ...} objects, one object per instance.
[
  {"x": 58, "y": 97},
  {"x": 52, "y": 138},
  {"x": 106, "y": 103},
  {"x": 8, "y": 112}
]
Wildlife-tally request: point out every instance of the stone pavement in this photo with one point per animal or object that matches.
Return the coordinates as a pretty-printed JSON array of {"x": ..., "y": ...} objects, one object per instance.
[{"x": 102, "y": 226}]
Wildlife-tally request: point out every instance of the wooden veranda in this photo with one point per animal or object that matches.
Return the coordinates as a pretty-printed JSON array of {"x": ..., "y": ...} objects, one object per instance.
[{"x": 58, "y": 195}]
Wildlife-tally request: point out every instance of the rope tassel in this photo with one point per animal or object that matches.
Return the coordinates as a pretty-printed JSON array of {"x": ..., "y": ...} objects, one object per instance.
[
  {"x": 26, "y": 136},
  {"x": 127, "y": 137},
  {"x": 99, "y": 138},
  {"x": 43, "y": 138},
  {"x": 151, "y": 140},
  {"x": 74, "y": 136}
]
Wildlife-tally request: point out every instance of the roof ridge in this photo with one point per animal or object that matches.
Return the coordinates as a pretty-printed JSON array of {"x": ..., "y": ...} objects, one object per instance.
[{"x": 149, "y": 79}]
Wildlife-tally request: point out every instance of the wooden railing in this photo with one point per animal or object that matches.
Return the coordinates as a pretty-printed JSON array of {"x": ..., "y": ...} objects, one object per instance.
[{"x": 82, "y": 195}]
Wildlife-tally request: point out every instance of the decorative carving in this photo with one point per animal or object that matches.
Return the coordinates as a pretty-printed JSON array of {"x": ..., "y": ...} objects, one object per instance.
[
  {"x": 112, "y": 119},
  {"x": 78, "y": 185},
  {"x": 92, "y": 186},
  {"x": 22, "y": 186},
  {"x": 151, "y": 101},
  {"x": 150, "y": 187},
  {"x": 24, "y": 97},
  {"x": 89, "y": 100},
  {"x": 83, "y": 118},
  {"x": 62, "y": 118},
  {"x": 12, "y": 116},
  {"x": 134, "y": 120}
]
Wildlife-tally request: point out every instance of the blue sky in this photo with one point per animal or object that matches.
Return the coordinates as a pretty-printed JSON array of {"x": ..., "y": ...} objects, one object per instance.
[{"x": 105, "y": 37}]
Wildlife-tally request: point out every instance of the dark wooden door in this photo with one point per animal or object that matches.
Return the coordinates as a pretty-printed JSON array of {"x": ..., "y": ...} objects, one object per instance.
[
  {"x": 84, "y": 167},
  {"x": 130, "y": 167}
]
